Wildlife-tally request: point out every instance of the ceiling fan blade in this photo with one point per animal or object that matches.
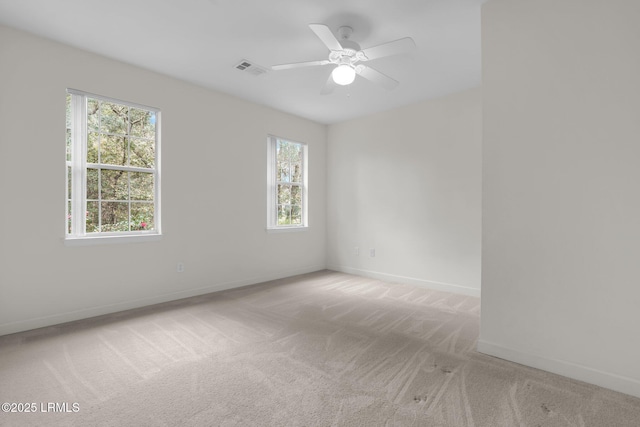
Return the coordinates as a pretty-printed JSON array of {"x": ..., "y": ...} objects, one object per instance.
[
  {"x": 329, "y": 86},
  {"x": 299, "y": 65},
  {"x": 376, "y": 77},
  {"x": 387, "y": 49},
  {"x": 324, "y": 33}
]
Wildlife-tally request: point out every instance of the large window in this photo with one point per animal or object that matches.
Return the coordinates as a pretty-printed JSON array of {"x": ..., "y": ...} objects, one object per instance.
[
  {"x": 113, "y": 181},
  {"x": 287, "y": 184}
]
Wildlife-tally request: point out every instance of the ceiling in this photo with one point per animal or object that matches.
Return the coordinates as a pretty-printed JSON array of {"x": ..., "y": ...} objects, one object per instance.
[{"x": 201, "y": 41}]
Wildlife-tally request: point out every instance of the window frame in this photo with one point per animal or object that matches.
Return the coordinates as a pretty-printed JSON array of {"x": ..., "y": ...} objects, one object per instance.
[
  {"x": 78, "y": 167},
  {"x": 272, "y": 185}
]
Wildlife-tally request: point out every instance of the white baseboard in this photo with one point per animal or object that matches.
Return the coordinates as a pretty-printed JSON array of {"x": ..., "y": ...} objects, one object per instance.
[
  {"x": 41, "y": 322},
  {"x": 429, "y": 284},
  {"x": 608, "y": 380}
]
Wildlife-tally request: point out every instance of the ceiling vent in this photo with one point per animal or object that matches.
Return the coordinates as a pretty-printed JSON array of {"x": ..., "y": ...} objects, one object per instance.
[{"x": 250, "y": 67}]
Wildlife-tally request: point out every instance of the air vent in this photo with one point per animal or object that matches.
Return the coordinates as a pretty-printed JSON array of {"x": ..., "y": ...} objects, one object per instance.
[
  {"x": 243, "y": 65},
  {"x": 250, "y": 67}
]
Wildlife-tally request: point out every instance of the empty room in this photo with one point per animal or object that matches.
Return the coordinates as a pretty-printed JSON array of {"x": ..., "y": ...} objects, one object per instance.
[{"x": 320, "y": 213}]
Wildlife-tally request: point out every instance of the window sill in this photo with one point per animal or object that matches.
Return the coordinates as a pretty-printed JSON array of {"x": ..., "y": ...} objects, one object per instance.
[
  {"x": 287, "y": 229},
  {"x": 108, "y": 240}
]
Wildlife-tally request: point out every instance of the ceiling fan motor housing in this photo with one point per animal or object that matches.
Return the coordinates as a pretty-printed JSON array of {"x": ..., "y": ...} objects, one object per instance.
[{"x": 348, "y": 55}]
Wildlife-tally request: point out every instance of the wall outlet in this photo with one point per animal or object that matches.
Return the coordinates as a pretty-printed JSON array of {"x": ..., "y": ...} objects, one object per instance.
[
  {"x": 356, "y": 251},
  {"x": 372, "y": 252},
  {"x": 180, "y": 267}
]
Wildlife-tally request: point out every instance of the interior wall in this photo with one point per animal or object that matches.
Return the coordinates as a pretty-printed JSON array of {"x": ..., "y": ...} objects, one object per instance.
[
  {"x": 213, "y": 191},
  {"x": 407, "y": 184},
  {"x": 561, "y": 204}
]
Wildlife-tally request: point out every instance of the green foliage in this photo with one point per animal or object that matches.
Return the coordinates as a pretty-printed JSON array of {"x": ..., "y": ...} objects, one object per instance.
[
  {"x": 114, "y": 216},
  {"x": 122, "y": 135},
  {"x": 289, "y": 176},
  {"x": 117, "y": 135},
  {"x": 68, "y": 127}
]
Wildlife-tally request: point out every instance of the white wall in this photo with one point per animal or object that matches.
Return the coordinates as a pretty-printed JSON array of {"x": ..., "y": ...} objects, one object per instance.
[
  {"x": 561, "y": 198},
  {"x": 213, "y": 191},
  {"x": 407, "y": 183}
]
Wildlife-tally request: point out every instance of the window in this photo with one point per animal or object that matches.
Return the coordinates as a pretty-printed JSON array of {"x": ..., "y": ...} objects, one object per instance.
[
  {"x": 113, "y": 178},
  {"x": 287, "y": 184}
]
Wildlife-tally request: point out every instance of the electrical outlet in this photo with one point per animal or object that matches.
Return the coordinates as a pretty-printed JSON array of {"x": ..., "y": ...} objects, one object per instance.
[
  {"x": 180, "y": 267},
  {"x": 372, "y": 252}
]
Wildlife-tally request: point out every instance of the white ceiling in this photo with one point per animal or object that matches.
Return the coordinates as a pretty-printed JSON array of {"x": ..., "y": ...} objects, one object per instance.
[{"x": 201, "y": 41}]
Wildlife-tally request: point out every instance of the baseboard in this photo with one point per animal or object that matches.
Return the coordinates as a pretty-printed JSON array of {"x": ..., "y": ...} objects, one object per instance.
[
  {"x": 56, "y": 319},
  {"x": 575, "y": 371},
  {"x": 429, "y": 284}
]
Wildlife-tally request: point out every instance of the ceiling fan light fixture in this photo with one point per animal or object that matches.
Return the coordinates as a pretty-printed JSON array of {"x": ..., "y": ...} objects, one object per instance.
[{"x": 343, "y": 74}]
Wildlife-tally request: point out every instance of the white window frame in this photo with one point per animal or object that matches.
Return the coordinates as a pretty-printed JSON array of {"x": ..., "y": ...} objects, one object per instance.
[
  {"x": 272, "y": 186},
  {"x": 78, "y": 164}
]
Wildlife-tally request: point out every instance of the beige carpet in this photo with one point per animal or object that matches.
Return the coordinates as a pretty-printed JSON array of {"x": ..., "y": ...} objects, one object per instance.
[{"x": 323, "y": 349}]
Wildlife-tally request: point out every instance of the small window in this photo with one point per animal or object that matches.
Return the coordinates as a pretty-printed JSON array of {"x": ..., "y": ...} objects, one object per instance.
[
  {"x": 113, "y": 180},
  {"x": 287, "y": 184}
]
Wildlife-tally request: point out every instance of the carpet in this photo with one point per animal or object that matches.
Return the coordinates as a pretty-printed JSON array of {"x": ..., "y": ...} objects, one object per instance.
[{"x": 321, "y": 349}]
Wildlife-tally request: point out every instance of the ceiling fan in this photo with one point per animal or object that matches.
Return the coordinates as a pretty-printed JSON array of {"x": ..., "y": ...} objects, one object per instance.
[{"x": 347, "y": 55}]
